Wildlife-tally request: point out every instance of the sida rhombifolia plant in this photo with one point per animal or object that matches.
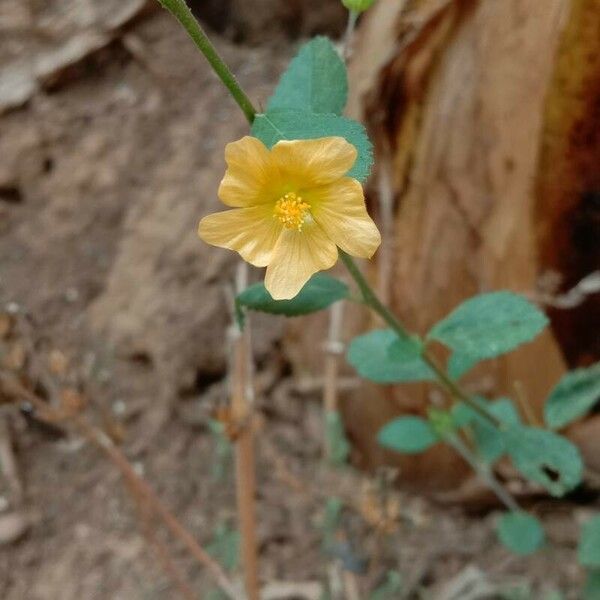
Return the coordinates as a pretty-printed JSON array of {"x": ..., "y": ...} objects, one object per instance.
[{"x": 295, "y": 205}]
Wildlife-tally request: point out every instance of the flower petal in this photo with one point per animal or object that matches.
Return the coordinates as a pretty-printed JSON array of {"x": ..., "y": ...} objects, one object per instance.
[
  {"x": 297, "y": 256},
  {"x": 250, "y": 173},
  {"x": 253, "y": 232},
  {"x": 309, "y": 163},
  {"x": 339, "y": 208}
]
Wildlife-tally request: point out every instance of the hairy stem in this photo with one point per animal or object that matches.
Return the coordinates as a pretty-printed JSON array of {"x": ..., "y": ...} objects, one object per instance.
[
  {"x": 180, "y": 10},
  {"x": 373, "y": 301},
  {"x": 483, "y": 472}
]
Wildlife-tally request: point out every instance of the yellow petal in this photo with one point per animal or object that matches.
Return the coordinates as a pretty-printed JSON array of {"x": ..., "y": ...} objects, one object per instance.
[
  {"x": 297, "y": 256},
  {"x": 339, "y": 208},
  {"x": 250, "y": 173},
  {"x": 253, "y": 232},
  {"x": 308, "y": 163}
]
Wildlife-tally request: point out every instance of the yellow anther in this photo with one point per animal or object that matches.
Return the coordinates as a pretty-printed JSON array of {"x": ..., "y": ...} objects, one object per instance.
[{"x": 291, "y": 210}]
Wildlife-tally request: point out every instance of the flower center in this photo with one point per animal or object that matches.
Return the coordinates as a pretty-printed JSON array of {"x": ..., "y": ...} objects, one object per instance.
[{"x": 291, "y": 210}]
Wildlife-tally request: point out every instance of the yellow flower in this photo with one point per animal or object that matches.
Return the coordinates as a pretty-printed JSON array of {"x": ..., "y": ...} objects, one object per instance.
[{"x": 293, "y": 207}]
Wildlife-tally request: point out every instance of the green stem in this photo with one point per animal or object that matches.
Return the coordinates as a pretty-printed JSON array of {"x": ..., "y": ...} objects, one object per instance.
[
  {"x": 384, "y": 312},
  {"x": 483, "y": 472},
  {"x": 180, "y": 10}
]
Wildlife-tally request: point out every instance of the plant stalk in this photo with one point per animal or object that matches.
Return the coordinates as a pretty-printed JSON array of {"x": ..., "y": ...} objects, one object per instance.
[
  {"x": 373, "y": 301},
  {"x": 180, "y": 10},
  {"x": 245, "y": 475},
  {"x": 484, "y": 473}
]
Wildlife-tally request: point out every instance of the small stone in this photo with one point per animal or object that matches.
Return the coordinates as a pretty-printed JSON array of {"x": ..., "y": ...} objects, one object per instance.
[
  {"x": 13, "y": 527},
  {"x": 71, "y": 295},
  {"x": 12, "y": 308}
]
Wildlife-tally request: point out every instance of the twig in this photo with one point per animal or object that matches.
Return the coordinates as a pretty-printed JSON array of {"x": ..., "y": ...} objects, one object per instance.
[
  {"x": 386, "y": 210},
  {"x": 574, "y": 297},
  {"x": 349, "y": 34},
  {"x": 13, "y": 388},
  {"x": 523, "y": 402},
  {"x": 242, "y": 416},
  {"x": 162, "y": 553},
  {"x": 333, "y": 348},
  {"x": 177, "y": 529},
  {"x": 8, "y": 462}
]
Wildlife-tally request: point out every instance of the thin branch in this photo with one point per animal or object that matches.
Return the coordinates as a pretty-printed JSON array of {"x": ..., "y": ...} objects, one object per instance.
[
  {"x": 13, "y": 388},
  {"x": 373, "y": 301},
  {"x": 333, "y": 349},
  {"x": 242, "y": 416},
  {"x": 484, "y": 472}
]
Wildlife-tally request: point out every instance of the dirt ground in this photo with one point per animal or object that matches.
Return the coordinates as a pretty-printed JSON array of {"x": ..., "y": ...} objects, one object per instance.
[{"x": 105, "y": 170}]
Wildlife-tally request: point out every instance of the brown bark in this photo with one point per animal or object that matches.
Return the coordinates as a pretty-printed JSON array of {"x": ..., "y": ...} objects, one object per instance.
[{"x": 454, "y": 93}]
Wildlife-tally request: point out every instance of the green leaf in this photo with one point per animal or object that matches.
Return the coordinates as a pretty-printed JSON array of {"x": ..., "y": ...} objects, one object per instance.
[
  {"x": 382, "y": 356},
  {"x": 225, "y": 546},
  {"x": 588, "y": 552},
  {"x": 460, "y": 364},
  {"x": 409, "y": 435},
  {"x": 592, "y": 586},
  {"x": 487, "y": 326},
  {"x": 575, "y": 394},
  {"x": 315, "y": 81},
  {"x": 545, "y": 457},
  {"x": 338, "y": 447},
  {"x": 303, "y": 125},
  {"x": 320, "y": 291},
  {"x": 489, "y": 440},
  {"x": 520, "y": 532}
]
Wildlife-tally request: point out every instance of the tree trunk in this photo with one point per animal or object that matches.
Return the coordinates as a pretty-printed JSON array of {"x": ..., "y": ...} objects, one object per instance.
[{"x": 486, "y": 139}]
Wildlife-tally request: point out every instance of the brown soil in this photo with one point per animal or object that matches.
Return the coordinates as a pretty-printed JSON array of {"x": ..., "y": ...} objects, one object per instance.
[{"x": 104, "y": 175}]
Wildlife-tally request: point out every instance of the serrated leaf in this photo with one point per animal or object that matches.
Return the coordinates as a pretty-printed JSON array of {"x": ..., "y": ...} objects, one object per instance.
[
  {"x": 278, "y": 125},
  {"x": 489, "y": 440},
  {"x": 520, "y": 532},
  {"x": 409, "y": 435},
  {"x": 591, "y": 591},
  {"x": 489, "y": 325},
  {"x": 588, "y": 551},
  {"x": 545, "y": 458},
  {"x": 575, "y": 394},
  {"x": 315, "y": 81},
  {"x": 320, "y": 291},
  {"x": 370, "y": 355}
]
